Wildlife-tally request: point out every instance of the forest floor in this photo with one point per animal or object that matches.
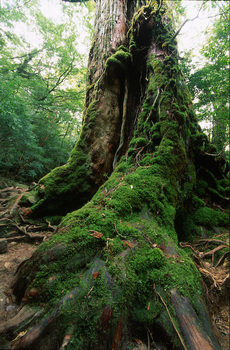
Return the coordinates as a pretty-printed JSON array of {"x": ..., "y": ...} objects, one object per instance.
[
  {"x": 17, "y": 252},
  {"x": 19, "y": 238}
]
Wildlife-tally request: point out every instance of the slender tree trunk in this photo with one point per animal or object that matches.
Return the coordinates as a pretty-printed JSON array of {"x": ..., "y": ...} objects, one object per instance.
[
  {"x": 219, "y": 129},
  {"x": 113, "y": 276}
]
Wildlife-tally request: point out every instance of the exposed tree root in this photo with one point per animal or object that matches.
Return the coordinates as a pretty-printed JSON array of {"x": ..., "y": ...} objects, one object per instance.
[
  {"x": 15, "y": 227},
  {"x": 210, "y": 270},
  {"x": 216, "y": 277}
]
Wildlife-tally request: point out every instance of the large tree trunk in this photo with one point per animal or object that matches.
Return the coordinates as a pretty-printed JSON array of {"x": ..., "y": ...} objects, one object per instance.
[
  {"x": 113, "y": 101},
  {"x": 113, "y": 275}
]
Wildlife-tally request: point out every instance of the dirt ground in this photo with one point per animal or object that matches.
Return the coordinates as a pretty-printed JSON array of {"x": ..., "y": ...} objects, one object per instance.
[{"x": 9, "y": 261}]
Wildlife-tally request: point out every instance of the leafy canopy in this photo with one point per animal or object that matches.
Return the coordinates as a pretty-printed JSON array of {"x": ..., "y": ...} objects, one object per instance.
[
  {"x": 209, "y": 84},
  {"x": 42, "y": 86}
]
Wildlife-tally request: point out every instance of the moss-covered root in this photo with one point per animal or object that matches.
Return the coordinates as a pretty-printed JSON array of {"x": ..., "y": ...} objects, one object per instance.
[
  {"x": 101, "y": 283},
  {"x": 65, "y": 187},
  {"x": 104, "y": 327}
]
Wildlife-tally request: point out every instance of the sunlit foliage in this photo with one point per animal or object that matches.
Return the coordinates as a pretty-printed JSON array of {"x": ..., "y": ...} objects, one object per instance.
[{"x": 42, "y": 85}]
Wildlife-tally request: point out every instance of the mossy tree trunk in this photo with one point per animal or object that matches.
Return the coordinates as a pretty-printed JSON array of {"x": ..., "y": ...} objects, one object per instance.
[
  {"x": 112, "y": 104},
  {"x": 113, "y": 274}
]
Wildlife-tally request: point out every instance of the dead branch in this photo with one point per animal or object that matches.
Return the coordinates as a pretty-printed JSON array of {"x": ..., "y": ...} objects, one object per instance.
[
  {"x": 222, "y": 259},
  {"x": 16, "y": 239},
  {"x": 118, "y": 232},
  {"x": 139, "y": 152},
  {"x": 54, "y": 228},
  {"x": 215, "y": 277},
  {"x": 186, "y": 245},
  {"x": 6, "y": 219},
  {"x": 213, "y": 155},
  {"x": 213, "y": 251},
  {"x": 158, "y": 93},
  {"x": 7, "y": 189},
  {"x": 211, "y": 240}
]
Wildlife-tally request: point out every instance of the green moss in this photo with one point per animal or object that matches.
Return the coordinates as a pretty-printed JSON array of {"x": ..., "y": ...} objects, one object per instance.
[
  {"x": 127, "y": 231},
  {"x": 197, "y": 202},
  {"x": 146, "y": 315},
  {"x": 146, "y": 161},
  {"x": 201, "y": 187},
  {"x": 209, "y": 186},
  {"x": 145, "y": 259},
  {"x": 123, "y": 166},
  {"x": 125, "y": 200},
  {"x": 189, "y": 180},
  {"x": 198, "y": 141},
  {"x": 224, "y": 183},
  {"x": 138, "y": 142},
  {"x": 186, "y": 228},
  {"x": 91, "y": 114},
  {"x": 123, "y": 48},
  {"x": 121, "y": 58},
  {"x": 131, "y": 151},
  {"x": 209, "y": 217},
  {"x": 55, "y": 191},
  {"x": 216, "y": 194}
]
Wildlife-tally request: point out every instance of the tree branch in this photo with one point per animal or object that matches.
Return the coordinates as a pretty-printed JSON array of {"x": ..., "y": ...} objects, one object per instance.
[
  {"x": 222, "y": 11},
  {"x": 30, "y": 54},
  {"x": 61, "y": 78},
  {"x": 188, "y": 20}
]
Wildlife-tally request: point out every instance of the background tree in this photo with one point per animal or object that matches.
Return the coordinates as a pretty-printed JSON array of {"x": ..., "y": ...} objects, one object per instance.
[
  {"x": 114, "y": 270},
  {"x": 210, "y": 83},
  {"x": 40, "y": 103}
]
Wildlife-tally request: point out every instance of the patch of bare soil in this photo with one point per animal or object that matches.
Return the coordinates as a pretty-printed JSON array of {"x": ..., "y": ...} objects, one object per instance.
[{"x": 9, "y": 261}]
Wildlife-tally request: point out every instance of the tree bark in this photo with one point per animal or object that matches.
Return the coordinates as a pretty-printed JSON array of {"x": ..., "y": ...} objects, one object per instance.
[
  {"x": 111, "y": 108},
  {"x": 219, "y": 130},
  {"x": 113, "y": 275}
]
